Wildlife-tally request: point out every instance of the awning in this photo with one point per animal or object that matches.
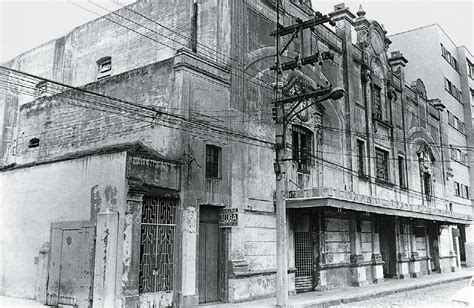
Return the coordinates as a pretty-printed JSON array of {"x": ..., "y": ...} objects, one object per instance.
[{"x": 378, "y": 206}]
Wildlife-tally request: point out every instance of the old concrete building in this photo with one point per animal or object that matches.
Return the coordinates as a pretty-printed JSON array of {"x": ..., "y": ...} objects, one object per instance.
[
  {"x": 447, "y": 71},
  {"x": 138, "y": 160}
]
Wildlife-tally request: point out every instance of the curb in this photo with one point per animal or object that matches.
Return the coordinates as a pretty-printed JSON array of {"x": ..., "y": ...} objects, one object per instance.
[{"x": 376, "y": 294}]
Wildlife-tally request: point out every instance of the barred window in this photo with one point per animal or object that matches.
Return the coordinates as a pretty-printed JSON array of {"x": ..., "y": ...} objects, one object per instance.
[
  {"x": 381, "y": 164},
  {"x": 158, "y": 225},
  {"x": 377, "y": 102},
  {"x": 213, "y": 161},
  {"x": 302, "y": 148}
]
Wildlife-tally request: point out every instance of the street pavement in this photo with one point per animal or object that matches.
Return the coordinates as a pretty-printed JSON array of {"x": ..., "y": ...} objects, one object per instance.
[
  {"x": 432, "y": 297},
  {"x": 354, "y": 295},
  {"x": 10, "y": 302},
  {"x": 428, "y": 291}
]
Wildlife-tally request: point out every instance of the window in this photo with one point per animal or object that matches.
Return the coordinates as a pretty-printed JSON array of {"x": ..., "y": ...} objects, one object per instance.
[
  {"x": 381, "y": 164},
  {"x": 272, "y": 3},
  {"x": 158, "y": 225},
  {"x": 458, "y": 155},
  {"x": 466, "y": 192},
  {"x": 377, "y": 102},
  {"x": 34, "y": 143},
  {"x": 360, "y": 157},
  {"x": 454, "y": 122},
  {"x": 41, "y": 89},
  {"x": 470, "y": 68},
  {"x": 427, "y": 185},
  {"x": 213, "y": 160},
  {"x": 451, "y": 88},
  {"x": 401, "y": 171},
  {"x": 457, "y": 189},
  {"x": 104, "y": 67},
  {"x": 449, "y": 58},
  {"x": 302, "y": 147},
  {"x": 448, "y": 85}
]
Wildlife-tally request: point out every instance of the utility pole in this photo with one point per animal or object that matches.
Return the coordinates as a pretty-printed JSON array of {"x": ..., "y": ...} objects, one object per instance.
[{"x": 282, "y": 116}]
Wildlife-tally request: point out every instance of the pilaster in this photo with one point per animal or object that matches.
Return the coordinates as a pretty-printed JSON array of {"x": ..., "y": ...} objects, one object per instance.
[
  {"x": 357, "y": 264},
  {"x": 131, "y": 249}
]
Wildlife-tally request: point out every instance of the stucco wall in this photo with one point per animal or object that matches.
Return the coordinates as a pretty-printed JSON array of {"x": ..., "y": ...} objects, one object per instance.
[{"x": 32, "y": 198}]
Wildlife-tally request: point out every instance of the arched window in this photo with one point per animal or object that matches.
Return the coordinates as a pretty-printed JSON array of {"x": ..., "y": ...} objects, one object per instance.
[{"x": 425, "y": 158}]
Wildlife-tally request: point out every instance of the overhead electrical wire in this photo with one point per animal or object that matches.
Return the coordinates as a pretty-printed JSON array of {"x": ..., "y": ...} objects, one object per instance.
[{"x": 323, "y": 128}]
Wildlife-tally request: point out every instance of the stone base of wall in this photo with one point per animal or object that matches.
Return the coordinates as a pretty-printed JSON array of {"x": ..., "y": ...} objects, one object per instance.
[
  {"x": 149, "y": 300},
  {"x": 469, "y": 254},
  {"x": 403, "y": 269},
  {"x": 256, "y": 285},
  {"x": 445, "y": 264},
  {"x": 334, "y": 277}
]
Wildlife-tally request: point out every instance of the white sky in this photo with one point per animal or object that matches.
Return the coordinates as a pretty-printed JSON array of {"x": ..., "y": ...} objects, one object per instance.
[{"x": 25, "y": 24}]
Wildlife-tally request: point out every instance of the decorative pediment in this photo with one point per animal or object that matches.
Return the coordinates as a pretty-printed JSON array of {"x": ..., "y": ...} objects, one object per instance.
[
  {"x": 420, "y": 88},
  {"x": 425, "y": 153}
]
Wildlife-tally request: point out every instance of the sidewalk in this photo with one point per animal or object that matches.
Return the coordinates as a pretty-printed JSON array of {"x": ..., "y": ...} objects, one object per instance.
[
  {"x": 354, "y": 294},
  {"x": 6, "y": 301}
]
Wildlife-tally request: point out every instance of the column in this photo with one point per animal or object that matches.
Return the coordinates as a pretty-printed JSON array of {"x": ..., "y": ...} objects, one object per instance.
[
  {"x": 377, "y": 262},
  {"x": 131, "y": 249},
  {"x": 106, "y": 259},
  {"x": 415, "y": 267},
  {"x": 358, "y": 270}
]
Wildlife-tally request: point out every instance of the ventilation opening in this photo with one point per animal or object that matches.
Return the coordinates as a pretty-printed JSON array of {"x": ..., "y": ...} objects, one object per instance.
[
  {"x": 104, "y": 67},
  {"x": 34, "y": 142}
]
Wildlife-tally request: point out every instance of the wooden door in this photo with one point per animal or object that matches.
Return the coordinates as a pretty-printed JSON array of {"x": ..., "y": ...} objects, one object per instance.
[
  {"x": 71, "y": 264},
  {"x": 388, "y": 242},
  {"x": 210, "y": 257}
]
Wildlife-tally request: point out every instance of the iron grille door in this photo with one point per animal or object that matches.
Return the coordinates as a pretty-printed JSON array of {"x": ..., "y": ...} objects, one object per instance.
[
  {"x": 304, "y": 261},
  {"x": 157, "y": 245}
]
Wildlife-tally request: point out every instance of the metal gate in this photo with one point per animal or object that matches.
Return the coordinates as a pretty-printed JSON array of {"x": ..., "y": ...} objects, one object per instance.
[
  {"x": 304, "y": 261},
  {"x": 71, "y": 264},
  {"x": 157, "y": 256},
  {"x": 306, "y": 235}
]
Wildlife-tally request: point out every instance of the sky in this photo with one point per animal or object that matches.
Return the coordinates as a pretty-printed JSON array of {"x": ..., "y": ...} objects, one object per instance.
[{"x": 25, "y": 24}]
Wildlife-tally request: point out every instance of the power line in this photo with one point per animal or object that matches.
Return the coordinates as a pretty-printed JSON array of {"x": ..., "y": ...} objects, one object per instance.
[
  {"x": 197, "y": 124},
  {"x": 319, "y": 127}
]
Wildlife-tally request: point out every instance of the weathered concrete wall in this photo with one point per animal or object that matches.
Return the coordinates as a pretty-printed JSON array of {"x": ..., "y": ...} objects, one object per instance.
[
  {"x": 32, "y": 198},
  {"x": 75, "y": 120}
]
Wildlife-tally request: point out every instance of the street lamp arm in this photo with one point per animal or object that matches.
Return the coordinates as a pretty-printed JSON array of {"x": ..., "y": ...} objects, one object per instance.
[{"x": 335, "y": 93}]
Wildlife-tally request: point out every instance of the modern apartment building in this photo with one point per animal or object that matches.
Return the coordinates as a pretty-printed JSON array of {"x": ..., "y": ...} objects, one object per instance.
[{"x": 448, "y": 73}]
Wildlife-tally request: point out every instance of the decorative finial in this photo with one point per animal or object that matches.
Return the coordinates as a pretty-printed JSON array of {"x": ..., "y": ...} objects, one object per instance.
[{"x": 361, "y": 12}]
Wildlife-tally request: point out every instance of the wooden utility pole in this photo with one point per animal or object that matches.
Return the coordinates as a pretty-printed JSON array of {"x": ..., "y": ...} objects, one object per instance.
[{"x": 282, "y": 116}]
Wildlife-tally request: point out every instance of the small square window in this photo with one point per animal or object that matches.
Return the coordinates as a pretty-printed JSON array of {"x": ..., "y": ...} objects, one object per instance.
[
  {"x": 213, "y": 162},
  {"x": 104, "y": 67}
]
